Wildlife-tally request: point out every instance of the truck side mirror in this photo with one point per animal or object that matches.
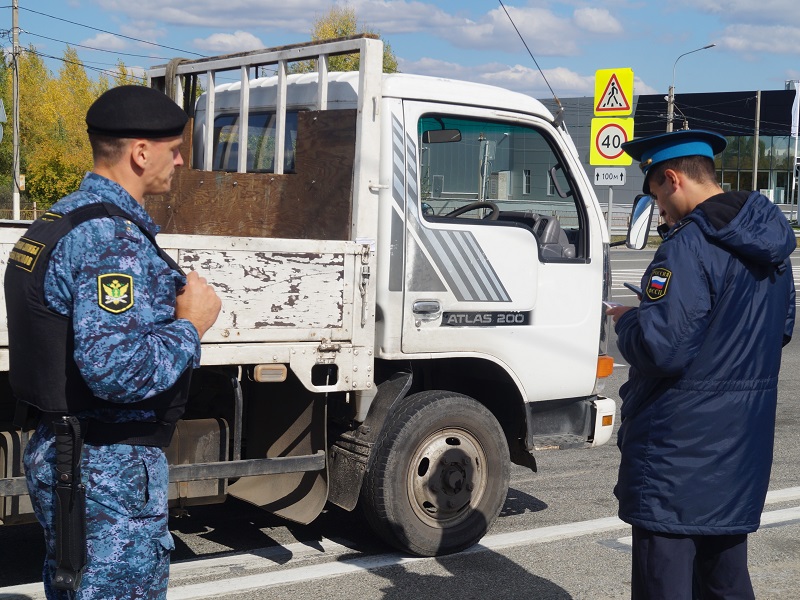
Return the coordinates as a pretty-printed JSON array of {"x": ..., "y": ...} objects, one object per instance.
[{"x": 641, "y": 217}]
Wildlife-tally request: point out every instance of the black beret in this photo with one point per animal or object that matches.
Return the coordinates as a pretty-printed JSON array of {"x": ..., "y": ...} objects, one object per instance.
[{"x": 135, "y": 111}]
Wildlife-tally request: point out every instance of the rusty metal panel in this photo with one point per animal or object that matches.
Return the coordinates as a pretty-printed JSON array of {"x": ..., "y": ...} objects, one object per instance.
[{"x": 314, "y": 202}]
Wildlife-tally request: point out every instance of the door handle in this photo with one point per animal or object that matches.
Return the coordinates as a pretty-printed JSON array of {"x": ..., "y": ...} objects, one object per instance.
[
  {"x": 426, "y": 307},
  {"x": 426, "y": 310}
]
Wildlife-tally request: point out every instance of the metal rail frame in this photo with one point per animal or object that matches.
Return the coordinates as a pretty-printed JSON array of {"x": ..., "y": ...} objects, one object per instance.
[{"x": 365, "y": 46}]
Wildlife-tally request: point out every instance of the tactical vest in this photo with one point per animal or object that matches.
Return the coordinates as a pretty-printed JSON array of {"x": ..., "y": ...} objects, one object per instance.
[{"x": 43, "y": 372}]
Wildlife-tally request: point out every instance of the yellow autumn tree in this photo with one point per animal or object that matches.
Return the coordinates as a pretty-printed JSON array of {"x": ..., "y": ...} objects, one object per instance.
[
  {"x": 342, "y": 21},
  {"x": 54, "y": 147},
  {"x": 125, "y": 76},
  {"x": 34, "y": 108},
  {"x": 6, "y": 146},
  {"x": 58, "y": 163}
]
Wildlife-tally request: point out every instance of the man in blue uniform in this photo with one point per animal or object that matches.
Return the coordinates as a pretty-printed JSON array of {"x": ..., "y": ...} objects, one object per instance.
[
  {"x": 704, "y": 348},
  {"x": 116, "y": 327}
]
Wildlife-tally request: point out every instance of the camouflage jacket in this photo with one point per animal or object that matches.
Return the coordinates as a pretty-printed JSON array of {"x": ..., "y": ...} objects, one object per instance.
[{"x": 121, "y": 298}]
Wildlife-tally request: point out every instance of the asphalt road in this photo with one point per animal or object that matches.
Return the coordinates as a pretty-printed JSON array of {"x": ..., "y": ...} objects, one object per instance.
[{"x": 557, "y": 536}]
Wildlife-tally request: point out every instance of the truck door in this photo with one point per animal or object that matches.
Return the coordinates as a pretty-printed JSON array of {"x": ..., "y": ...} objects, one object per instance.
[{"x": 497, "y": 251}]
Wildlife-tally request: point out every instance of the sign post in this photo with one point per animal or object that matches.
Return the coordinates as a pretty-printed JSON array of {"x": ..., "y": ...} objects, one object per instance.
[{"x": 613, "y": 96}]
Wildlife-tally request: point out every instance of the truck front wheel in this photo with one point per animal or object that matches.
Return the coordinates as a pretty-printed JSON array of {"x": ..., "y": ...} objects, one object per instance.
[{"x": 439, "y": 475}]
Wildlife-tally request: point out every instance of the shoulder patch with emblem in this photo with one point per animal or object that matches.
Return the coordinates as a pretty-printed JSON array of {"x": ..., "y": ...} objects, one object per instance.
[
  {"x": 658, "y": 283},
  {"x": 115, "y": 292}
]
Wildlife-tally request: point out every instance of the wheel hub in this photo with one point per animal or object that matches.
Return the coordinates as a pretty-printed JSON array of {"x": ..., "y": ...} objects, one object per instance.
[{"x": 446, "y": 476}]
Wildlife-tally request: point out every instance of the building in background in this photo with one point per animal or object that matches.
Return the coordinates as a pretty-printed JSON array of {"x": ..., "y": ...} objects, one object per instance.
[{"x": 735, "y": 115}]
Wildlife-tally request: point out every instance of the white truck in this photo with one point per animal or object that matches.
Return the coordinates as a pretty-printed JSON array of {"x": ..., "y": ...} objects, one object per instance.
[{"x": 411, "y": 272}]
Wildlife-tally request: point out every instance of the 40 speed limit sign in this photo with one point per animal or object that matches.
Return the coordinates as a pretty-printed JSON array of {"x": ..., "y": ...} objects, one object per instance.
[{"x": 608, "y": 135}]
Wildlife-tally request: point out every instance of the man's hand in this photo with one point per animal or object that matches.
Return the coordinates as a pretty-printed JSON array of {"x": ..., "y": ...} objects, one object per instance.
[
  {"x": 198, "y": 303},
  {"x": 617, "y": 311}
]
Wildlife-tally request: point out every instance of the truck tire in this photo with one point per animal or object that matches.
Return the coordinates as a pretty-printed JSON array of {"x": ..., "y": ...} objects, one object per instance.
[{"x": 438, "y": 476}]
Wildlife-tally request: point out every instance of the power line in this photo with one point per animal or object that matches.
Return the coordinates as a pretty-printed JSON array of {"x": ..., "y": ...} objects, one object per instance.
[
  {"x": 742, "y": 118},
  {"x": 82, "y": 61},
  {"x": 110, "y": 32},
  {"x": 92, "y": 47},
  {"x": 79, "y": 63}
]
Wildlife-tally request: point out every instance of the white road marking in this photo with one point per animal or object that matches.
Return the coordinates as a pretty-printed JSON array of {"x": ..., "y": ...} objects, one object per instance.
[
  {"x": 267, "y": 558},
  {"x": 214, "y": 589},
  {"x": 773, "y": 518},
  {"x": 492, "y": 542},
  {"x": 634, "y": 276}
]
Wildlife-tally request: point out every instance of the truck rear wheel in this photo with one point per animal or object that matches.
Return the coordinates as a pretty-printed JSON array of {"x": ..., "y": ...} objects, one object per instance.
[{"x": 439, "y": 475}]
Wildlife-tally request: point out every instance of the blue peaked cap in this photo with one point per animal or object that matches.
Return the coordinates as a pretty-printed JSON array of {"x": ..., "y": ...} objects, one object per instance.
[{"x": 655, "y": 149}]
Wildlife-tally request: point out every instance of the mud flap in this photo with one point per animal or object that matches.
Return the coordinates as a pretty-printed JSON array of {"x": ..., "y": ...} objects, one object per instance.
[
  {"x": 350, "y": 454},
  {"x": 299, "y": 497}
]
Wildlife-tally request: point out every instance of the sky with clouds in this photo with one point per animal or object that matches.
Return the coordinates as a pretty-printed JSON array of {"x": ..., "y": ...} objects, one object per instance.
[{"x": 757, "y": 43}]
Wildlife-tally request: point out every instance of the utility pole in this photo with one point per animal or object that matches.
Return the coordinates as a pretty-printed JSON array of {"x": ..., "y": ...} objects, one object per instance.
[
  {"x": 671, "y": 104},
  {"x": 15, "y": 110},
  {"x": 671, "y": 93},
  {"x": 795, "y": 131},
  {"x": 755, "y": 140}
]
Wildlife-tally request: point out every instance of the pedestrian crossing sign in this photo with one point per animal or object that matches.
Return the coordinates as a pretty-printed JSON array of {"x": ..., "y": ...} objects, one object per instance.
[{"x": 613, "y": 92}]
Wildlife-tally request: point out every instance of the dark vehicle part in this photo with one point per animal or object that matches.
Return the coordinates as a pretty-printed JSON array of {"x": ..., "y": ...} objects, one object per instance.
[{"x": 350, "y": 453}]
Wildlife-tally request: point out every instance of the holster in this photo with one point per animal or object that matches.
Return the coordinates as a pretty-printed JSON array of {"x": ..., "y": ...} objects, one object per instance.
[{"x": 70, "y": 504}]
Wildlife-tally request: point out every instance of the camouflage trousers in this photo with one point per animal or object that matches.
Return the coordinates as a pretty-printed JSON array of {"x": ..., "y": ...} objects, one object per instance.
[{"x": 128, "y": 539}]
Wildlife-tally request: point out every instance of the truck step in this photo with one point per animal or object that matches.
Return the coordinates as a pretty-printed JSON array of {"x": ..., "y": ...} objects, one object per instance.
[{"x": 558, "y": 442}]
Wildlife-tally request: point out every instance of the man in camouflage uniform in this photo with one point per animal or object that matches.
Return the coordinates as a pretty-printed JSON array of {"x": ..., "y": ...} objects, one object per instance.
[{"x": 135, "y": 325}]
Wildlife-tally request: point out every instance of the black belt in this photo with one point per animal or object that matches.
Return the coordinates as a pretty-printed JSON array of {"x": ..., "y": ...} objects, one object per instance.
[{"x": 134, "y": 433}]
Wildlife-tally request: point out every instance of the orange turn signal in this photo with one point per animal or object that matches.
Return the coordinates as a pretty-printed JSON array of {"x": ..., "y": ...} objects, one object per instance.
[
  {"x": 608, "y": 420},
  {"x": 605, "y": 366}
]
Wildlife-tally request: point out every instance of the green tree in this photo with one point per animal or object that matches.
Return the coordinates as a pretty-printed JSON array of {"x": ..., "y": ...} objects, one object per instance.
[{"x": 342, "y": 22}]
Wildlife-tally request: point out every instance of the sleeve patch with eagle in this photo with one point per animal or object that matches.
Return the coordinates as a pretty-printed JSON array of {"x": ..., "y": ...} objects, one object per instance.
[{"x": 115, "y": 292}]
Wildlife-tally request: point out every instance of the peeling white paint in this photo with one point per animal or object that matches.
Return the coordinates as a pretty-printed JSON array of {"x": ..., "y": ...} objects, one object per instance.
[{"x": 262, "y": 290}]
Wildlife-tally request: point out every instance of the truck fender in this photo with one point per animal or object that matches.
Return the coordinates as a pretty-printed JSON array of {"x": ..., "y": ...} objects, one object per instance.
[{"x": 349, "y": 455}]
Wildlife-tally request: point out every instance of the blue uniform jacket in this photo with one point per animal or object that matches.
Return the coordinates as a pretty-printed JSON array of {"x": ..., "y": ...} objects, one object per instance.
[{"x": 704, "y": 346}]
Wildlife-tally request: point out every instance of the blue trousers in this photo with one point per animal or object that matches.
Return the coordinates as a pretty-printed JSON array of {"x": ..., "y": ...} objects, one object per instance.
[
  {"x": 127, "y": 533},
  {"x": 685, "y": 567}
]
